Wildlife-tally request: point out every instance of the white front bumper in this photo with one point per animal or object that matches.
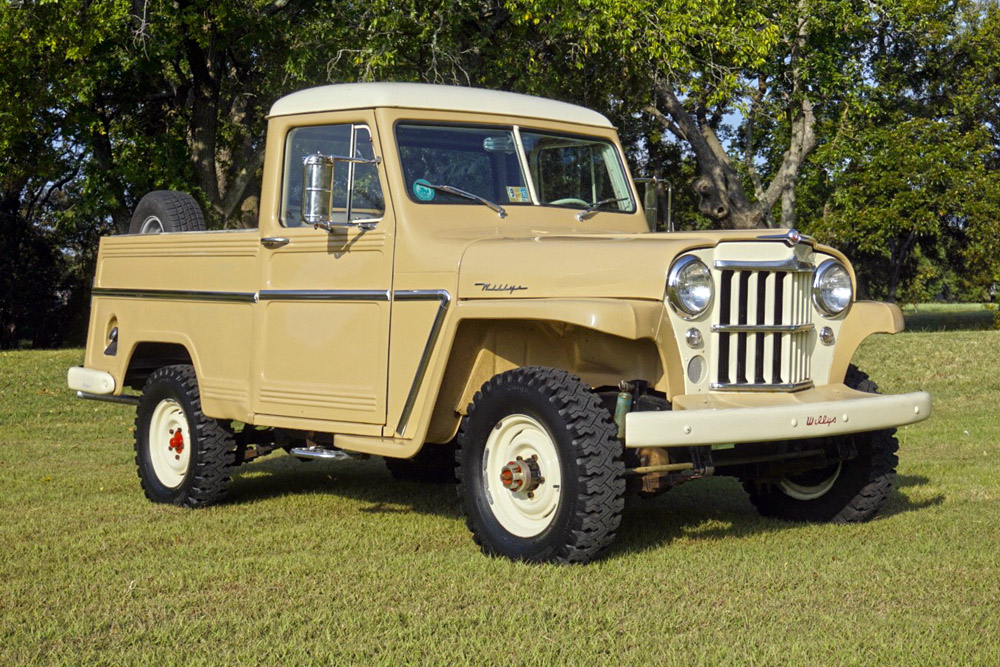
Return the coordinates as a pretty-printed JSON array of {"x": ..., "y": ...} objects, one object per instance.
[{"x": 823, "y": 411}]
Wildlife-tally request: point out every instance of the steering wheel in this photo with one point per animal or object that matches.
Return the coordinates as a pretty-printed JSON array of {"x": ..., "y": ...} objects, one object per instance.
[{"x": 568, "y": 200}]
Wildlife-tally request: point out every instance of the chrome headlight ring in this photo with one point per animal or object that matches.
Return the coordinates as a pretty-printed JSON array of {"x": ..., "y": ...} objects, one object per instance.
[
  {"x": 832, "y": 291},
  {"x": 690, "y": 287}
]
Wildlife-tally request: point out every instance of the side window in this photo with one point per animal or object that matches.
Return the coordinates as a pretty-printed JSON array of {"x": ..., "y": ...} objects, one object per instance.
[{"x": 357, "y": 184}]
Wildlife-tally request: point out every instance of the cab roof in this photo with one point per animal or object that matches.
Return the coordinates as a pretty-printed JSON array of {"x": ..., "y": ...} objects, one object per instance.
[{"x": 341, "y": 96}]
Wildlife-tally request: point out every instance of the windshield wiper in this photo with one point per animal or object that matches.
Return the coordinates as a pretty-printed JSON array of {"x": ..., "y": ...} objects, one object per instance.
[
  {"x": 585, "y": 213},
  {"x": 452, "y": 190}
]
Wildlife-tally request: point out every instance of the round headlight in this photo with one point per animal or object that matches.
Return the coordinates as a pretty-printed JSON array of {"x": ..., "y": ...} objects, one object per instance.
[
  {"x": 689, "y": 286},
  {"x": 832, "y": 290}
]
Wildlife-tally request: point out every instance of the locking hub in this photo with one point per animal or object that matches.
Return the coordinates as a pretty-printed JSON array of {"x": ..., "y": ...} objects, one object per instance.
[{"x": 521, "y": 475}]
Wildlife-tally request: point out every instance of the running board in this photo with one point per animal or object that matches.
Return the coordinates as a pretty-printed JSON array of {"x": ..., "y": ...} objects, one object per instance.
[{"x": 320, "y": 453}]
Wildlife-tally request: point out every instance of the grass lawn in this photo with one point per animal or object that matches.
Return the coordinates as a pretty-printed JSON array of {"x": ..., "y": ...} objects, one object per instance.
[
  {"x": 335, "y": 563},
  {"x": 947, "y": 316}
]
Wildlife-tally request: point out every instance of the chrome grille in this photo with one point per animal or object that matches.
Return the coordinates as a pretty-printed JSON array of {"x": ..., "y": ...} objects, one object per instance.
[{"x": 763, "y": 330}]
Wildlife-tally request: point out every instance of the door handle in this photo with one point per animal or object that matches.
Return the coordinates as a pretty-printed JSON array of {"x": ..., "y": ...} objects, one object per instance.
[{"x": 274, "y": 241}]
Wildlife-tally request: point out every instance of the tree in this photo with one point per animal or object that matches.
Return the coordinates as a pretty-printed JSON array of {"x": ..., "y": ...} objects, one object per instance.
[
  {"x": 908, "y": 183},
  {"x": 919, "y": 189},
  {"x": 778, "y": 65}
]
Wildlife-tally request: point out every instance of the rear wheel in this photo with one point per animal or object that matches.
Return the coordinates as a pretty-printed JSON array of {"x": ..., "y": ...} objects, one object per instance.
[
  {"x": 182, "y": 456},
  {"x": 163, "y": 211},
  {"x": 848, "y": 491},
  {"x": 540, "y": 468}
]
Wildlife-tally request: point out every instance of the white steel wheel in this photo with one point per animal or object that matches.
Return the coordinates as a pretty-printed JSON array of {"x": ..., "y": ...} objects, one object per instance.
[
  {"x": 182, "y": 456},
  {"x": 811, "y": 485},
  {"x": 151, "y": 225},
  {"x": 540, "y": 470},
  {"x": 169, "y": 443},
  {"x": 521, "y": 475}
]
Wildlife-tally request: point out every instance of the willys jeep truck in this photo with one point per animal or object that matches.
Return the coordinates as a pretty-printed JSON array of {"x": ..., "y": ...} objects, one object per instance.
[{"x": 465, "y": 282}]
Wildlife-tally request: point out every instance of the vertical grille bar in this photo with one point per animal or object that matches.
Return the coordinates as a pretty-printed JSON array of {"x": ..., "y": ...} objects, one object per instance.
[
  {"x": 779, "y": 314},
  {"x": 741, "y": 338},
  {"x": 760, "y": 301},
  {"x": 725, "y": 298}
]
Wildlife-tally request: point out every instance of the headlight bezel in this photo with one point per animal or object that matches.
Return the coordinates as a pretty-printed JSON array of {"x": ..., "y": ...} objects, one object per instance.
[
  {"x": 678, "y": 270},
  {"x": 820, "y": 298}
]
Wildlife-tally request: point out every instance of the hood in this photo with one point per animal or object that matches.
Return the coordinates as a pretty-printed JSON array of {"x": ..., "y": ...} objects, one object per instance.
[{"x": 632, "y": 266}]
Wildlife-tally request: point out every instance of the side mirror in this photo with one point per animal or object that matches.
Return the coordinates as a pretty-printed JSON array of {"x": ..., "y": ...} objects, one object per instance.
[
  {"x": 317, "y": 191},
  {"x": 651, "y": 201}
]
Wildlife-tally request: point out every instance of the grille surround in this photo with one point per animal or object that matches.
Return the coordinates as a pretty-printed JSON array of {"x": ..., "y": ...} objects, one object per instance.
[{"x": 764, "y": 324}]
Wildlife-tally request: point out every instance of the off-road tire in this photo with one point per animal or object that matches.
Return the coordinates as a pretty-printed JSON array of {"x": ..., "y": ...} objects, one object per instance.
[
  {"x": 163, "y": 211},
  {"x": 861, "y": 487},
  {"x": 212, "y": 455},
  {"x": 584, "y": 441},
  {"x": 433, "y": 464}
]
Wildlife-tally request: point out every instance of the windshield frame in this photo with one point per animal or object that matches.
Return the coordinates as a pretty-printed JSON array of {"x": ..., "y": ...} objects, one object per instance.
[{"x": 522, "y": 160}]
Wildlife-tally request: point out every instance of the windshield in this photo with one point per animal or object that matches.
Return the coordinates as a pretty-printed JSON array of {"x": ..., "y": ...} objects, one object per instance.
[
  {"x": 491, "y": 163},
  {"x": 577, "y": 172},
  {"x": 478, "y": 160}
]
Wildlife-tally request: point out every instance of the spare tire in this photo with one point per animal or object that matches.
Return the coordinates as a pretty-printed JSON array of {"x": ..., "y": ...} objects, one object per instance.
[{"x": 163, "y": 211}]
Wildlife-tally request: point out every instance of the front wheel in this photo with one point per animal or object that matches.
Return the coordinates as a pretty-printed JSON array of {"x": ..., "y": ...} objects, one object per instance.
[
  {"x": 845, "y": 492},
  {"x": 183, "y": 457},
  {"x": 540, "y": 468}
]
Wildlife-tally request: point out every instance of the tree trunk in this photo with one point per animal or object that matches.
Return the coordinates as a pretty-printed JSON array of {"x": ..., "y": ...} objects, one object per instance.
[{"x": 719, "y": 185}]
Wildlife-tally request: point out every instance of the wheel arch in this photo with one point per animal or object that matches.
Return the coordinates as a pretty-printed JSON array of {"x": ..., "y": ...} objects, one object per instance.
[
  {"x": 482, "y": 348},
  {"x": 147, "y": 356}
]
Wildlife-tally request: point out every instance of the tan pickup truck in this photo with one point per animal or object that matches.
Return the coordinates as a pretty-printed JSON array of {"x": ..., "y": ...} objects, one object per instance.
[{"x": 464, "y": 282}]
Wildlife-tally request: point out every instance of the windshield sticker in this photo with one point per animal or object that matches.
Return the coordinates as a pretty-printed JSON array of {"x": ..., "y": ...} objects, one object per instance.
[
  {"x": 422, "y": 189},
  {"x": 517, "y": 194}
]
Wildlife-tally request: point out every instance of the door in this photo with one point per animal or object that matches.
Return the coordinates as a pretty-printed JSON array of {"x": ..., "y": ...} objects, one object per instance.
[{"x": 324, "y": 300}]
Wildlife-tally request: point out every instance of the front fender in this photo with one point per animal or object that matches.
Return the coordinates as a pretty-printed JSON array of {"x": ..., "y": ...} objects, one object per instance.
[{"x": 864, "y": 319}]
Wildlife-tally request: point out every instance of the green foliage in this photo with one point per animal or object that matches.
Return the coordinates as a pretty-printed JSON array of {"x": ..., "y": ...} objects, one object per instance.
[
  {"x": 907, "y": 180},
  {"x": 101, "y": 102}
]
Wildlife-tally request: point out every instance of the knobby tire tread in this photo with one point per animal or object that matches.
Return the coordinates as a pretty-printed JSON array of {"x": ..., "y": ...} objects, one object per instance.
[
  {"x": 215, "y": 444},
  {"x": 879, "y": 455},
  {"x": 598, "y": 460}
]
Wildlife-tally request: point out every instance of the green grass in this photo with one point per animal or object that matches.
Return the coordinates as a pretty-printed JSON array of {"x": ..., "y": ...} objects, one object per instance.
[
  {"x": 334, "y": 563},
  {"x": 947, "y": 316}
]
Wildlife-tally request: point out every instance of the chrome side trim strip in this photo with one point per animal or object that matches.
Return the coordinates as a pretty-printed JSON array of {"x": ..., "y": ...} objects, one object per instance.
[
  {"x": 792, "y": 264},
  {"x": 444, "y": 300},
  {"x": 762, "y": 328},
  {"x": 177, "y": 295},
  {"x": 323, "y": 295},
  {"x": 786, "y": 386},
  {"x": 245, "y": 297},
  {"x": 123, "y": 399}
]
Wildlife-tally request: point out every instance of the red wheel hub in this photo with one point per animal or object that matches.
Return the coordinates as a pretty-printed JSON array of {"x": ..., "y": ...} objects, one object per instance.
[{"x": 176, "y": 442}]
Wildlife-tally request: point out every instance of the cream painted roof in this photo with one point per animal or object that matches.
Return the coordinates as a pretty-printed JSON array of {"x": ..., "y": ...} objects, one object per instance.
[{"x": 341, "y": 96}]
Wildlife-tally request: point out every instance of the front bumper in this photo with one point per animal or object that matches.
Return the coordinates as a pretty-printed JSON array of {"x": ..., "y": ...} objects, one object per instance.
[{"x": 709, "y": 419}]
